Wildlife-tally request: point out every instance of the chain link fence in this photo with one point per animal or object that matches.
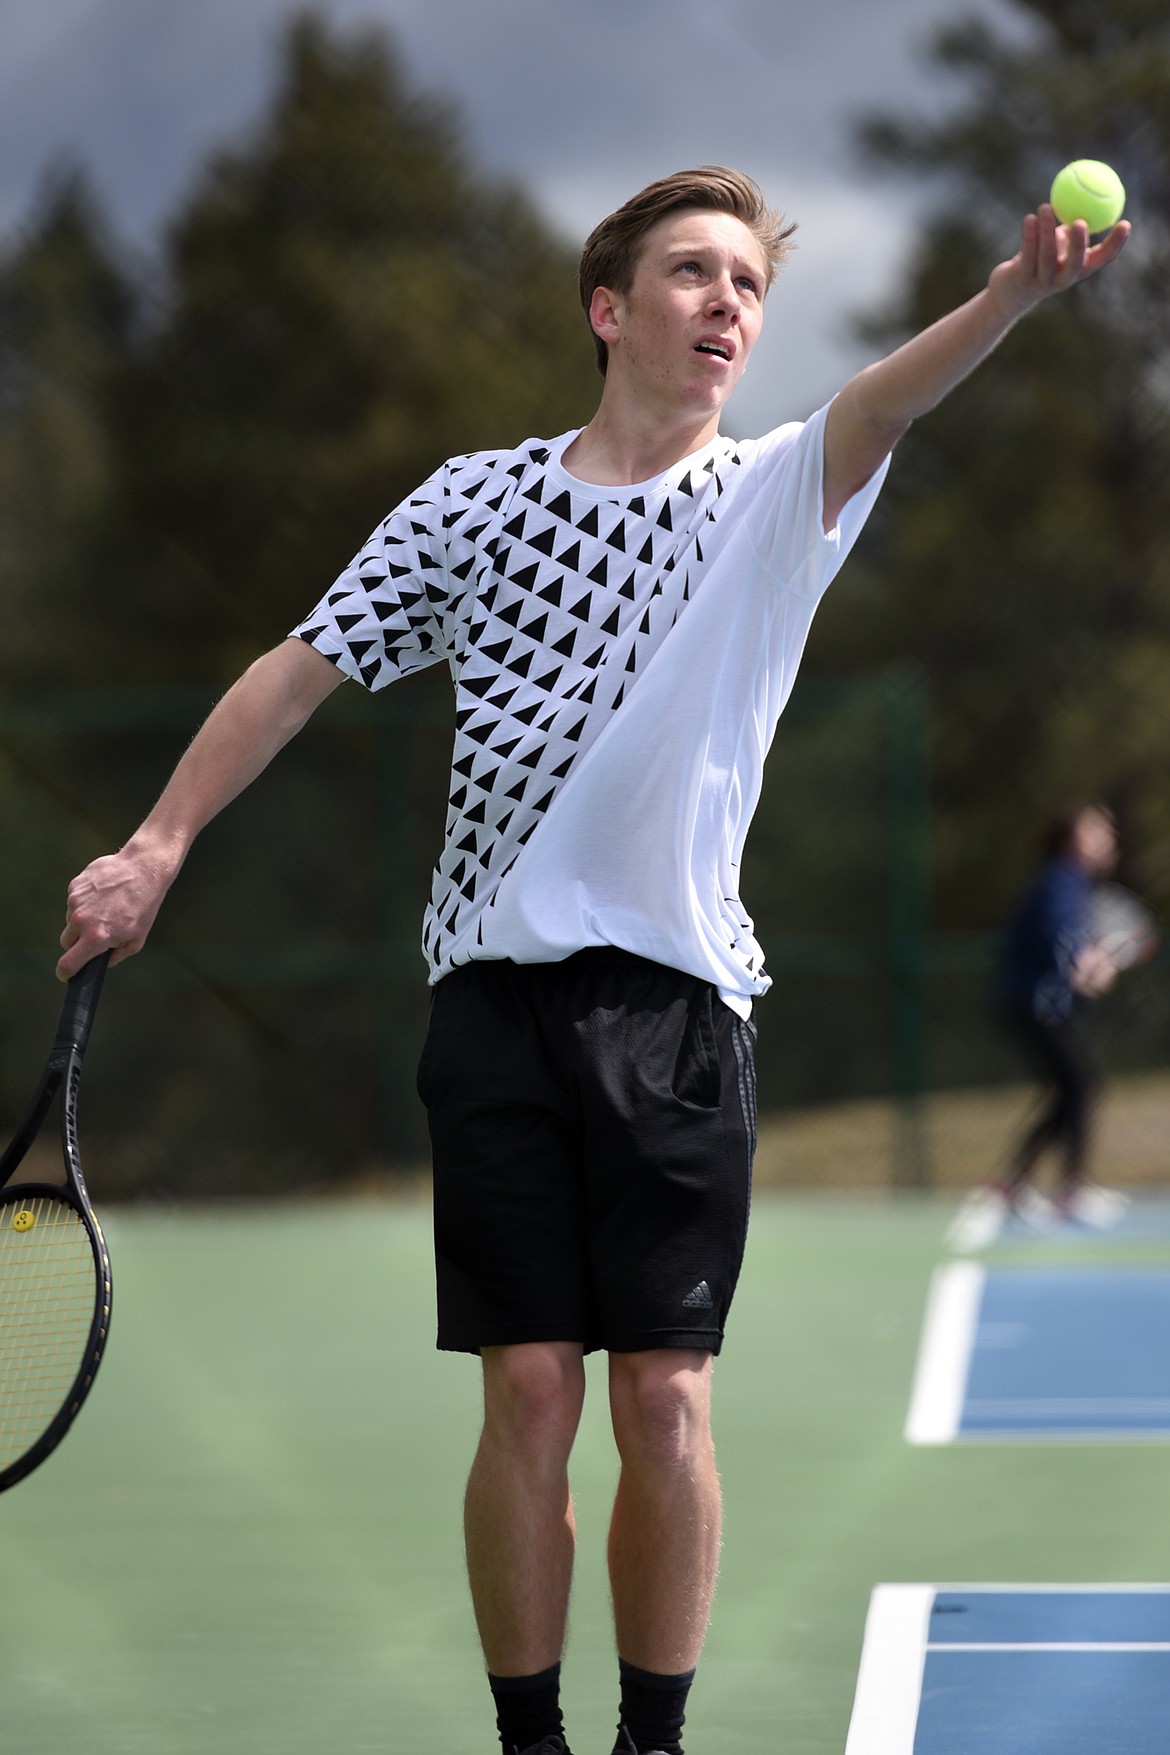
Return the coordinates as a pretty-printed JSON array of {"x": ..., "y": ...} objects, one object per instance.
[{"x": 267, "y": 1039}]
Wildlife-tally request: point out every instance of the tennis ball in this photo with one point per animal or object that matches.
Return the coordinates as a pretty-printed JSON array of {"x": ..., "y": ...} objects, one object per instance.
[{"x": 1090, "y": 191}]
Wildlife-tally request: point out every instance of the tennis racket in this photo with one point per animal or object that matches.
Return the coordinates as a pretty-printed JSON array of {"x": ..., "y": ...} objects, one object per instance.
[
  {"x": 1121, "y": 927},
  {"x": 55, "y": 1288}
]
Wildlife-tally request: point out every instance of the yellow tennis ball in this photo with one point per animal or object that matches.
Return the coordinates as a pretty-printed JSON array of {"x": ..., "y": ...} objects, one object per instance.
[{"x": 1090, "y": 191}]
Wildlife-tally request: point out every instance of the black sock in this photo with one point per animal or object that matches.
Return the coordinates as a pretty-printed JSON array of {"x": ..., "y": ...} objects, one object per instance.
[
  {"x": 527, "y": 1708},
  {"x": 653, "y": 1708}
]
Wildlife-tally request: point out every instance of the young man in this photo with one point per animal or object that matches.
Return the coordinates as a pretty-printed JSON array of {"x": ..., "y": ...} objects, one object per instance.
[{"x": 623, "y": 610}]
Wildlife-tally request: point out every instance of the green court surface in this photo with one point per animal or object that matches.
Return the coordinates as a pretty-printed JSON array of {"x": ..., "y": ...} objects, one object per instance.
[{"x": 249, "y": 1544}]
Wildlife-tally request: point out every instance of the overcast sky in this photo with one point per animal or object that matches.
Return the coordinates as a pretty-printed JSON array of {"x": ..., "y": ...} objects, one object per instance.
[{"x": 581, "y": 100}]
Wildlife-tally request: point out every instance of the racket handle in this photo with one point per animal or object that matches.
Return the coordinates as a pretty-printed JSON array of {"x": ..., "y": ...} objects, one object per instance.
[{"x": 81, "y": 997}]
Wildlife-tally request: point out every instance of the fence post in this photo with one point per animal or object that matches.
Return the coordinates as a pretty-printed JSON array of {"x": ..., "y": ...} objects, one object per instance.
[{"x": 908, "y": 892}]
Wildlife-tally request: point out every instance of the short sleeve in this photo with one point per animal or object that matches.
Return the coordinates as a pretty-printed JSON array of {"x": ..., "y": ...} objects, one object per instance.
[
  {"x": 388, "y": 613},
  {"x": 786, "y": 519}
]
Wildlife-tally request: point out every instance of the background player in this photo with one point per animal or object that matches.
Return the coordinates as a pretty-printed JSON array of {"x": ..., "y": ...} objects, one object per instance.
[{"x": 1051, "y": 970}]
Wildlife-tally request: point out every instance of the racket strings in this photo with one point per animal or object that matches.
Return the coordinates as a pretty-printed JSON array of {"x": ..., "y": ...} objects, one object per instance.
[{"x": 48, "y": 1296}]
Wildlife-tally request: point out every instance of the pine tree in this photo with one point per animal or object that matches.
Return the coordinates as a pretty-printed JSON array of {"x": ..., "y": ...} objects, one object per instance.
[
  {"x": 66, "y": 335},
  {"x": 350, "y": 302}
]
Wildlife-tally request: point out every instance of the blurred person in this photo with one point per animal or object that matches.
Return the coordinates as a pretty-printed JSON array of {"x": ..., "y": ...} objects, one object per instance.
[
  {"x": 623, "y": 609},
  {"x": 1051, "y": 970}
]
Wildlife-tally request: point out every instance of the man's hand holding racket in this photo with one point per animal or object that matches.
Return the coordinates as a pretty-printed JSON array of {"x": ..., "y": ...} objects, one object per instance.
[
  {"x": 1122, "y": 935},
  {"x": 1122, "y": 930},
  {"x": 112, "y": 904}
]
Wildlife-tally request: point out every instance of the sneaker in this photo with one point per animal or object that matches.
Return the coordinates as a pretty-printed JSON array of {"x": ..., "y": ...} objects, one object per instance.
[
  {"x": 1098, "y": 1208},
  {"x": 1033, "y": 1209},
  {"x": 625, "y": 1744},
  {"x": 550, "y": 1746},
  {"x": 979, "y": 1220}
]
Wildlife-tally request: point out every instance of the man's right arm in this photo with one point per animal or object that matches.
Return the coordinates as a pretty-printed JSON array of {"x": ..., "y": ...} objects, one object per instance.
[
  {"x": 112, "y": 904},
  {"x": 868, "y": 417}
]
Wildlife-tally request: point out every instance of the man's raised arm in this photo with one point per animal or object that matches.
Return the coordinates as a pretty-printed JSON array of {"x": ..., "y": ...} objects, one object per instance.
[
  {"x": 112, "y": 904},
  {"x": 869, "y": 416}
]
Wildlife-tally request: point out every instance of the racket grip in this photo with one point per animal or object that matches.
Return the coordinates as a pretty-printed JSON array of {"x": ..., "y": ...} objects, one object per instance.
[{"x": 81, "y": 997}]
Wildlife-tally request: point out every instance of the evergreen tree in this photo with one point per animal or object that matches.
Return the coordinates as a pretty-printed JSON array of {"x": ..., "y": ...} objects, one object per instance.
[
  {"x": 343, "y": 301},
  {"x": 66, "y": 328},
  {"x": 350, "y": 302}
]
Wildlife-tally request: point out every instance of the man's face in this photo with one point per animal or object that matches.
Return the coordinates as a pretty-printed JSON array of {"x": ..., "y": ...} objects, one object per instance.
[
  {"x": 1095, "y": 842},
  {"x": 691, "y": 317}
]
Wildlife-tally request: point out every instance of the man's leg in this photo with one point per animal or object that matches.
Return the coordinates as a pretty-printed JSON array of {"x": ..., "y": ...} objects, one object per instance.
[
  {"x": 518, "y": 1520},
  {"x": 1060, "y": 1053},
  {"x": 1037, "y": 1039},
  {"x": 665, "y": 1533}
]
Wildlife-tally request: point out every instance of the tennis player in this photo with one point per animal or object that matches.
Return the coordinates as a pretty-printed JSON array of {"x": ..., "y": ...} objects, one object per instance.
[
  {"x": 1050, "y": 971},
  {"x": 622, "y": 609}
]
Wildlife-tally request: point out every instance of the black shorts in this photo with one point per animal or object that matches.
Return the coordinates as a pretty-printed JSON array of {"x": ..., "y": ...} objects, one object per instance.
[{"x": 592, "y": 1125}]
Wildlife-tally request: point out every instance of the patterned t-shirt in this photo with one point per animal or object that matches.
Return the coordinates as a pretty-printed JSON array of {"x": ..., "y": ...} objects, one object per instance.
[{"x": 620, "y": 656}]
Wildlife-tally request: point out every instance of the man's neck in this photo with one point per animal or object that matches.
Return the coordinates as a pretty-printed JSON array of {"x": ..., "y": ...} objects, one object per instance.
[{"x": 619, "y": 448}]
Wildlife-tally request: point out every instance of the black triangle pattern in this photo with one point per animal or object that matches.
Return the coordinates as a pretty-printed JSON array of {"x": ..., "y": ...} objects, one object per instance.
[{"x": 547, "y": 603}]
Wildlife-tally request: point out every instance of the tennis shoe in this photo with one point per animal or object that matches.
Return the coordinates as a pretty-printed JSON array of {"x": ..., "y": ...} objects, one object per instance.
[
  {"x": 979, "y": 1220},
  {"x": 550, "y": 1746},
  {"x": 1098, "y": 1208},
  {"x": 625, "y": 1744},
  {"x": 1032, "y": 1208}
]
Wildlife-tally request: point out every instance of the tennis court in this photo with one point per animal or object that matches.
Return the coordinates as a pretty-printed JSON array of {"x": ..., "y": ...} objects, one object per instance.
[
  {"x": 250, "y": 1542},
  {"x": 1013, "y": 1670},
  {"x": 1045, "y": 1353}
]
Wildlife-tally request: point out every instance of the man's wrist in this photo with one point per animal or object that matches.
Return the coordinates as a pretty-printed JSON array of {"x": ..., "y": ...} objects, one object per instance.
[{"x": 158, "y": 850}]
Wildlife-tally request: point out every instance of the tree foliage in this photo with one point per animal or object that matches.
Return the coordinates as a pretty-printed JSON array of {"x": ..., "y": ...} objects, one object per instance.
[
  {"x": 190, "y": 452},
  {"x": 1023, "y": 552},
  {"x": 66, "y": 314},
  {"x": 350, "y": 303}
]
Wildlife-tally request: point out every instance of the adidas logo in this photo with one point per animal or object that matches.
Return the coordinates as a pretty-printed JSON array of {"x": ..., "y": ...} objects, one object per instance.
[{"x": 700, "y": 1298}]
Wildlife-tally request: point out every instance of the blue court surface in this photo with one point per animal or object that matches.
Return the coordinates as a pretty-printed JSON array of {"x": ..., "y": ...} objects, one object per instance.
[
  {"x": 1014, "y": 1670},
  {"x": 1052, "y": 1353}
]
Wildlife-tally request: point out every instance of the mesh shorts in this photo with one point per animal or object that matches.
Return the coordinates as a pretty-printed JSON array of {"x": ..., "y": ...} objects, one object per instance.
[{"x": 592, "y": 1127}]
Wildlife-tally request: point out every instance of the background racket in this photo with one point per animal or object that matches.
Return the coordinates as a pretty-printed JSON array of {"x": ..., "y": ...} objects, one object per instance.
[
  {"x": 55, "y": 1287},
  {"x": 1121, "y": 926}
]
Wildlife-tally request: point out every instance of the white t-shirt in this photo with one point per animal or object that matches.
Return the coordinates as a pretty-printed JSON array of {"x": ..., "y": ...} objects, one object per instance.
[{"x": 620, "y": 657}]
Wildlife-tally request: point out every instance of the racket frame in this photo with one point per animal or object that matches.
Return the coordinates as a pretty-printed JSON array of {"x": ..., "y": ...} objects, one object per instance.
[
  {"x": 1122, "y": 927},
  {"x": 63, "y": 1074}
]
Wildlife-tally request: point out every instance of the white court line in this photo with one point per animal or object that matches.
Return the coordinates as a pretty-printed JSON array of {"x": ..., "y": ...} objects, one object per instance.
[
  {"x": 1098, "y": 1645},
  {"x": 1051, "y": 1436},
  {"x": 889, "y": 1680},
  {"x": 1015, "y": 1589},
  {"x": 1066, "y": 1407},
  {"x": 944, "y": 1354}
]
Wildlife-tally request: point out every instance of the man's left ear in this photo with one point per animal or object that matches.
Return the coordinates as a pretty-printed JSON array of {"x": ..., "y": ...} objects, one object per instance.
[{"x": 605, "y": 314}]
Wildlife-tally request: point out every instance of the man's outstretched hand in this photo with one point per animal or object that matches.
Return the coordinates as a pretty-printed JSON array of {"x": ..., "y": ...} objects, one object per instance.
[{"x": 1051, "y": 258}]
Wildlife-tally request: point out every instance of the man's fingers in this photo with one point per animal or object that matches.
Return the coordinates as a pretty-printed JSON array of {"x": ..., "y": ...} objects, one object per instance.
[
  {"x": 74, "y": 959},
  {"x": 82, "y": 948},
  {"x": 1109, "y": 248},
  {"x": 1076, "y": 250},
  {"x": 1048, "y": 245}
]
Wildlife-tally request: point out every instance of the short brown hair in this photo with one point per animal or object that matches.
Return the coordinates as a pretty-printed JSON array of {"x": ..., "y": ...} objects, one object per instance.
[{"x": 611, "y": 249}]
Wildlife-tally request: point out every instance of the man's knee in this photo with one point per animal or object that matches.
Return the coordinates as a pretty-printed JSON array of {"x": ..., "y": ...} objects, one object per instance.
[
  {"x": 661, "y": 1403},
  {"x": 534, "y": 1392}
]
